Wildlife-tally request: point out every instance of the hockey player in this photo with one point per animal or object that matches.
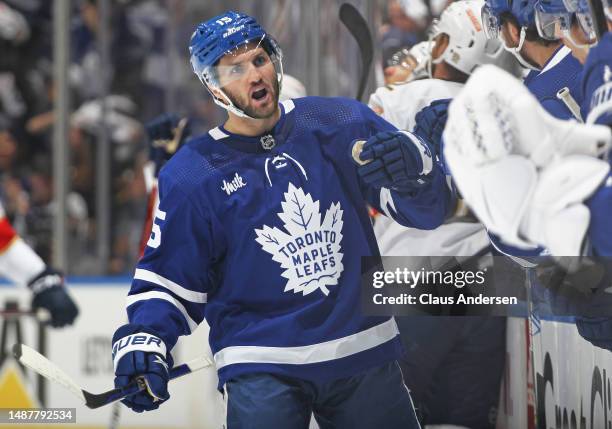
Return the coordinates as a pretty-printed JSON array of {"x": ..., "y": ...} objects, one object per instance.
[
  {"x": 554, "y": 21},
  {"x": 21, "y": 265},
  {"x": 167, "y": 133},
  {"x": 406, "y": 64},
  {"x": 577, "y": 24},
  {"x": 578, "y": 29},
  {"x": 552, "y": 66},
  {"x": 239, "y": 238},
  {"x": 467, "y": 350},
  {"x": 553, "y": 78}
]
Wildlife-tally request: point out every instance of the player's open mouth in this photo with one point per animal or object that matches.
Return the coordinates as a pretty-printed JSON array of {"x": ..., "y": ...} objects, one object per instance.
[{"x": 260, "y": 94}]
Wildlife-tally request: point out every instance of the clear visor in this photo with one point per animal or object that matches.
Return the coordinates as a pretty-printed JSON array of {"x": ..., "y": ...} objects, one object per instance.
[
  {"x": 551, "y": 25},
  {"x": 490, "y": 22},
  {"x": 607, "y": 6},
  {"x": 251, "y": 57},
  {"x": 404, "y": 59},
  {"x": 571, "y": 5},
  {"x": 586, "y": 30}
]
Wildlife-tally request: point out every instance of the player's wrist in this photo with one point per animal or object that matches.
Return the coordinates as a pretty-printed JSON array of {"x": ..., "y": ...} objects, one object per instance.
[
  {"x": 423, "y": 154},
  {"x": 45, "y": 280}
]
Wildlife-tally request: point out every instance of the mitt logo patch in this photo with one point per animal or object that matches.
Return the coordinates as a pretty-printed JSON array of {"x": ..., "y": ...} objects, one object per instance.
[{"x": 307, "y": 249}]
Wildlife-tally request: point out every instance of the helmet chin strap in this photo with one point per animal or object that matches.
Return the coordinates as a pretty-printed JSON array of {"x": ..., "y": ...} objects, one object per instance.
[
  {"x": 430, "y": 60},
  {"x": 517, "y": 51}
]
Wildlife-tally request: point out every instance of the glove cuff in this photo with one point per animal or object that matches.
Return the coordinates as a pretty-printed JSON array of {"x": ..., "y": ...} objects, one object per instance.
[
  {"x": 130, "y": 338},
  {"x": 424, "y": 151},
  {"x": 45, "y": 280}
]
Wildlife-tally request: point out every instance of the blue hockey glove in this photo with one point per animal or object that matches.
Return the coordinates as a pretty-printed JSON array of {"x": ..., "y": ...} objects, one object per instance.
[
  {"x": 396, "y": 160},
  {"x": 596, "y": 330},
  {"x": 138, "y": 353},
  {"x": 166, "y": 134},
  {"x": 430, "y": 122},
  {"x": 49, "y": 293}
]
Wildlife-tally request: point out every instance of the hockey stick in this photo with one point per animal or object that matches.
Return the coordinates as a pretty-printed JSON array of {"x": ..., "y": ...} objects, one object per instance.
[
  {"x": 43, "y": 366},
  {"x": 358, "y": 27}
]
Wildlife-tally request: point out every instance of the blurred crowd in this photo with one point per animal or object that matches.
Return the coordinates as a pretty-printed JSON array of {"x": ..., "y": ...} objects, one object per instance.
[
  {"x": 137, "y": 79},
  {"x": 147, "y": 75}
]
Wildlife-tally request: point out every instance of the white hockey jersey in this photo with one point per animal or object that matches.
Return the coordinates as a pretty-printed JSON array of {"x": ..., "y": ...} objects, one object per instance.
[{"x": 399, "y": 105}]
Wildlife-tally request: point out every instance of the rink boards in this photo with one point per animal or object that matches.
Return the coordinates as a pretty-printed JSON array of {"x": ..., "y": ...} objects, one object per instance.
[
  {"x": 559, "y": 380},
  {"x": 572, "y": 378},
  {"x": 83, "y": 351}
]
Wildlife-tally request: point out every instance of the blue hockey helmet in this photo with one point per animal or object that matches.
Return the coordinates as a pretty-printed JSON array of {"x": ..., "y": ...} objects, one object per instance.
[
  {"x": 552, "y": 16},
  {"x": 224, "y": 35},
  {"x": 561, "y": 15},
  {"x": 522, "y": 10},
  {"x": 586, "y": 23},
  {"x": 524, "y": 13}
]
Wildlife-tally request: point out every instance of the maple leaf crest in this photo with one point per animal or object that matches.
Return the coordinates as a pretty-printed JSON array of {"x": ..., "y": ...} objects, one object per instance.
[{"x": 308, "y": 250}]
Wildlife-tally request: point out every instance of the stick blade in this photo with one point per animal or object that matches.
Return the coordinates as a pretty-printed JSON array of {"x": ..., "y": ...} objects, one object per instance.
[{"x": 43, "y": 366}]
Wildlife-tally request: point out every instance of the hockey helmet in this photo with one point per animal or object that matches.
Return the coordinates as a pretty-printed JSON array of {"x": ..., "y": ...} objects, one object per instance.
[
  {"x": 228, "y": 34},
  {"x": 552, "y": 16},
  {"x": 561, "y": 15},
  {"x": 522, "y": 10},
  {"x": 468, "y": 46}
]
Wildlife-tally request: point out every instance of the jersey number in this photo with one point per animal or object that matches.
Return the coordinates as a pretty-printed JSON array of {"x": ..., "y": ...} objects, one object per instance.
[
  {"x": 224, "y": 20},
  {"x": 155, "y": 238}
]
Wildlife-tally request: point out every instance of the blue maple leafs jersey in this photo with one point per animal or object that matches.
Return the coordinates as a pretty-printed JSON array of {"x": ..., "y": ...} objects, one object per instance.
[
  {"x": 597, "y": 82},
  {"x": 597, "y": 87},
  {"x": 262, "y": 236},
  {"x": 561, "y": 70}
]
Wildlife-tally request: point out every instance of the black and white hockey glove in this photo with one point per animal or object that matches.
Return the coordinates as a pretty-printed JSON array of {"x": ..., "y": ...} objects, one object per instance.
[{"x": 49, "y": 293}]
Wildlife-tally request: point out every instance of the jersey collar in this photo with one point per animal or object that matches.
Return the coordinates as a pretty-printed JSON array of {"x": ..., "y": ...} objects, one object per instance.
[
  {"x": 556, "y": 58},
  {"x": 257, "y": 144}
]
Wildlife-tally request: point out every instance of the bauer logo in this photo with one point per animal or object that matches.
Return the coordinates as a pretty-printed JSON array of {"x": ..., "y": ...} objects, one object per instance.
[
  {"x": 136, "y": 340},
  {"x": 308, "y": 249}
]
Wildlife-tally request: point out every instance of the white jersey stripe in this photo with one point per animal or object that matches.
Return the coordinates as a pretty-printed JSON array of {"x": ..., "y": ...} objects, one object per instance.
[
  {"x": 186, "y": 294},
  {"x": 315, "y": 353},
  {"x": 288, "y": 105},
  {"x": 217, "y": 134},
  {"x": 132, "y": 299}
]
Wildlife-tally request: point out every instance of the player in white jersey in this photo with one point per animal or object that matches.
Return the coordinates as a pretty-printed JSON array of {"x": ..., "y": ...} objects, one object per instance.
[
  {"x": 469, "y": 348},
  {"x": 458, "y": 48},
  {"x": 22, "y": 266}
]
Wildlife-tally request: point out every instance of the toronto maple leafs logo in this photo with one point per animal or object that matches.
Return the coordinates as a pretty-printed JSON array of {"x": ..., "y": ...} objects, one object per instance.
[{"x": 308, "y": 250}]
